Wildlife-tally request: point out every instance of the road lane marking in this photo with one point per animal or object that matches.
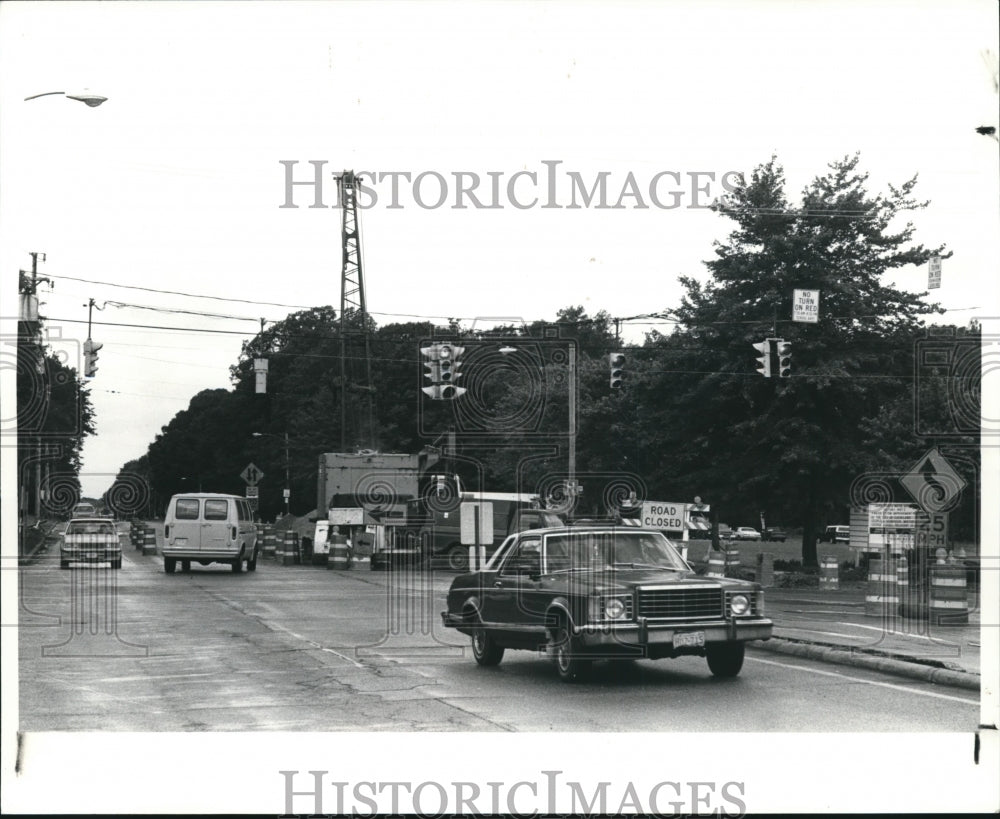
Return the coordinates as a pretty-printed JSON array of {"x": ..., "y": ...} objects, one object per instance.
[
  {"x": 314, "y": 644},
  {"x": 905, "y": 688}
]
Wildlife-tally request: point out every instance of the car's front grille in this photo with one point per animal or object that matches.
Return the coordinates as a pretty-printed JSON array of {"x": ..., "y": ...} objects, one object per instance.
[{"x": 681, "y": 603}]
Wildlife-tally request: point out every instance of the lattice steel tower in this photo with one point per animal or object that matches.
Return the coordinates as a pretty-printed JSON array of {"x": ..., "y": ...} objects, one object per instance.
[{"x": 356, "y": 369}]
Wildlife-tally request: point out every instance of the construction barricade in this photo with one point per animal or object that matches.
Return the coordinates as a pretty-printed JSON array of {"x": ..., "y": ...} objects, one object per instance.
[
  {"x": 829, "y": 573},
  {"x": 340, "y": 554},
  {"x": 949, "y": 598},
  {"x": 270, "y": 541},
  {"x": 732, "y": 559},
  {"x": 881, "y": 597},
  {"x": 289, "y": 550},
  {"x": 149, "y": 541},
  {"x": 716, "y": 564}
]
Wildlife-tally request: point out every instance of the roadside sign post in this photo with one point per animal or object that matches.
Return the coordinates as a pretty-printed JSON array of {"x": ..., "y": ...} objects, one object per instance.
[{"x": 476, "y": 530}]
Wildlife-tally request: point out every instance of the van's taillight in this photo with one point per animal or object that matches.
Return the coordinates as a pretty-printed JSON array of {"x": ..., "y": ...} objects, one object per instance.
[
  {"x": 166, "y": 532},
  {"x": 234, "y": 533}
]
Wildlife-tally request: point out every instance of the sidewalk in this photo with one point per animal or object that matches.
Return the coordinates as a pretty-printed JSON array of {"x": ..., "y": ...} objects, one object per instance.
[{"x": 831, "y": 626}]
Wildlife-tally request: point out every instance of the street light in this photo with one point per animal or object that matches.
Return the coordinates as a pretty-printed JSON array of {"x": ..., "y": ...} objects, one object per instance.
[
  {"x": 92, "y": 101},
  {"x": 288, "y": 488},
  {"x": 88, "y": 99}
]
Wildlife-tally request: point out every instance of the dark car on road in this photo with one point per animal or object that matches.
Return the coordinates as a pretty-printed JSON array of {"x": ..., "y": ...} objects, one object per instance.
[
  {"x": 774, "y": 535},
  {"x": 579, "y": 594}
]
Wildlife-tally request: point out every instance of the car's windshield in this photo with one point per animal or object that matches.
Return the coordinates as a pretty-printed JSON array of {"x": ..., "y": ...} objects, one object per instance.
[
  {"x": 611, "y": 549},
  {"x": 90, "y": 528}
]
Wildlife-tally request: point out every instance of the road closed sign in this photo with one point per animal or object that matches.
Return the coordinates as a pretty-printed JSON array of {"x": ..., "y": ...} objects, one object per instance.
[{"x": 663, "y": 515}]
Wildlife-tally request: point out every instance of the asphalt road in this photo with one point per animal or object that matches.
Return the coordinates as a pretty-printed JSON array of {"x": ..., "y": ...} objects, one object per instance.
[{"x": 309, "y": 649}]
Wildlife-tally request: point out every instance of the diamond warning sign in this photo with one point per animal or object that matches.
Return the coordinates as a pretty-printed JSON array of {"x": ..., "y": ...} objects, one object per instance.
[{"x": 934, "y": 483}]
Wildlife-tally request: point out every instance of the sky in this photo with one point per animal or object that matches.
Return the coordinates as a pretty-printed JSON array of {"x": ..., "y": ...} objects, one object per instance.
[
  {"x": 176, "y": 183},
  {"x": 173, "y": 188}
]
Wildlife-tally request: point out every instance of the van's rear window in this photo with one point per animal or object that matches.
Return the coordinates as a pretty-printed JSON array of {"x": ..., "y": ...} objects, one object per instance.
[
  {"x": 186, "y": 509},
  {"x": 216, "y": 509}
]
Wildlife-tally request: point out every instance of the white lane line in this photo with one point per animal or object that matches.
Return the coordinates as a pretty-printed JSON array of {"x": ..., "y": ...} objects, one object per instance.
[
  {"x": 314, "y": 644},
  {"x": 905, "y": 688}
]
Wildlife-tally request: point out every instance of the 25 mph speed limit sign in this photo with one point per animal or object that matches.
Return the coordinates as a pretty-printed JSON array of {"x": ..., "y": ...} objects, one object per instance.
[{"x": 663, "y": 515}]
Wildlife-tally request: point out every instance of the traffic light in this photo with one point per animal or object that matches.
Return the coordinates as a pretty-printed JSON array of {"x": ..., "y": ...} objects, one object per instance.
[
  {"x": 783, "y": 352},
  {"x": 443, "y": 370},
  {"x": 616, "y": 362},
  {"x": 90, "y": 349},
  {"x": 764, "y": 359}
]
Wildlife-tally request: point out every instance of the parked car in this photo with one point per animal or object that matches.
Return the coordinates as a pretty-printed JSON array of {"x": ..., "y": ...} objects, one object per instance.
[
  {"x": 725, "y": 533},
  {"x": 774, "y": 535},
  {"x": 837, "y": 534},
  {"x": 746, "y": 533},
  {"x": 90, "y": 540},
  {"x": 580, "y": 594}
]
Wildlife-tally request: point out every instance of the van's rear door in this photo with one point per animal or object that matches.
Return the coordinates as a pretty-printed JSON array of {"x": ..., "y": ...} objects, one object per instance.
[
  {"x": 185, "y": 532},
  {"x": 215, "y": 524}
]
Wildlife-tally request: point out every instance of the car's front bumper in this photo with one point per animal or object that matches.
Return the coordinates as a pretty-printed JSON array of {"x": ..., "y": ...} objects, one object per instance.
[{"x": 646, "y": 633}]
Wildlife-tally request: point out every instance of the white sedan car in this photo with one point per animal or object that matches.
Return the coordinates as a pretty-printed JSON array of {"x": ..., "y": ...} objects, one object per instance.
[{"x": 746, "y": 533}]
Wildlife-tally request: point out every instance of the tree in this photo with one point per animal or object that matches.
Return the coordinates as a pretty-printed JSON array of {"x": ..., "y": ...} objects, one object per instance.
[
  {"x": 791, "y": 445},
  {"x": 54, "y": 416}
]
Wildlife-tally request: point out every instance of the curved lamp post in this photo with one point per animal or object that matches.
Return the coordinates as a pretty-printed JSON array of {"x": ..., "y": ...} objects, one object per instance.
[{"x": 92, "y": 100}]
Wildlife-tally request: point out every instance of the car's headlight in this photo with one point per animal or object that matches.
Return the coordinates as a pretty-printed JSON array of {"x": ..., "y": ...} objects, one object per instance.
[
  {"x": 739, "y": 604},
  {"x": 614, "y": 609}
]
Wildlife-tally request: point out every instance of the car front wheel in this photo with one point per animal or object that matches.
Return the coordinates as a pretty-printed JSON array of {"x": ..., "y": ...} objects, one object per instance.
[
  {"x": 485, "y": 649},
  {"x": 565, "y": 651},
  {"x": 725, "y": 659},
  {"x": 169, "y": 563}
]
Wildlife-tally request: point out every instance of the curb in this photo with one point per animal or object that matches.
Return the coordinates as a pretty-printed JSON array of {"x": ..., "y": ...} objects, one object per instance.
[{"x": 841, "y": 655}]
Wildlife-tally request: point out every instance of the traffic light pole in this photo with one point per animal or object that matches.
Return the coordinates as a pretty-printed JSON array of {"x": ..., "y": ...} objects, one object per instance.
[{"x": 571, "y": 478}]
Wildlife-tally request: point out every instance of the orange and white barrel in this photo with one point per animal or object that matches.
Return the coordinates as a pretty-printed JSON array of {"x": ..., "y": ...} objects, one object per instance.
[
  {"x": 716, "y": 564},
  {"x": 270, "y": 542},
  {"x": 149, "y": 541},
  {"x": 882, "y": 596},
  {"x": 340, "y": 555},
  {"x": 949, "y": 597},
  {"x": 288, "y": 549},
  {"x": 829, "y": 573},
  {"x": 732, "y": 558}
]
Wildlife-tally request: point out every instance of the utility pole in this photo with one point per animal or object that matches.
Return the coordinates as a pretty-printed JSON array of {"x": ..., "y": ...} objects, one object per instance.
[{"x": 288, "y": 486}]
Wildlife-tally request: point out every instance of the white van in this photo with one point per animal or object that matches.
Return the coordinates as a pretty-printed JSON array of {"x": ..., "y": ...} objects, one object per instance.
[{"x": 202, "y": 527}]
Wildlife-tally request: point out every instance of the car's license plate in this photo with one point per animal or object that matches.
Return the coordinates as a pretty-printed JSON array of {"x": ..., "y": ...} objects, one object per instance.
[{"x": 691, "y": 638}]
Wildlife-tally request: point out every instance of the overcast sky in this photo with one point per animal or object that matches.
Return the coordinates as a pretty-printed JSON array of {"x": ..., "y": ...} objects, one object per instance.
[{"x": 176, "y": 182}]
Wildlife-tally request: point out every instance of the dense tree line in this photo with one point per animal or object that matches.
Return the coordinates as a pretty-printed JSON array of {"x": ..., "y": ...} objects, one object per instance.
[
  {"x": 694, "y": 417},
  {"x": 54, "y": 416}
]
